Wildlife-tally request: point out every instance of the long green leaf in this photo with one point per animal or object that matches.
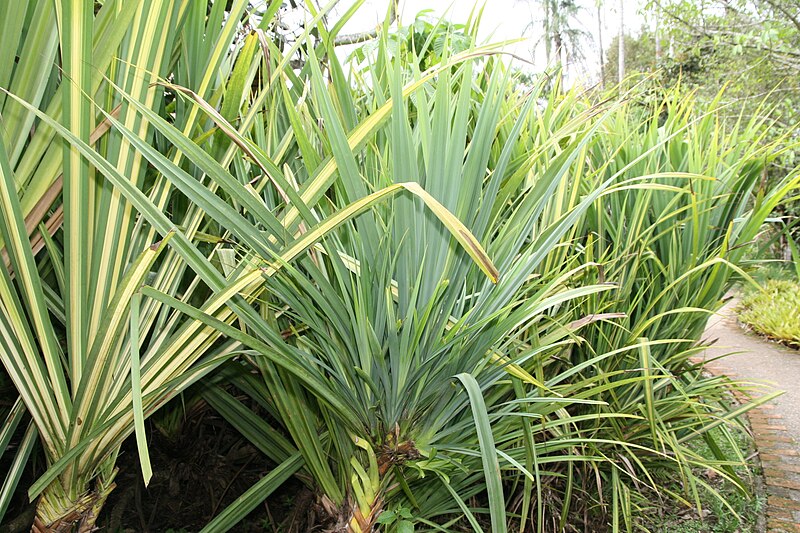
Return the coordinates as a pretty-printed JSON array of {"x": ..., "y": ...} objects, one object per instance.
[{"x": 491, "y": 466}]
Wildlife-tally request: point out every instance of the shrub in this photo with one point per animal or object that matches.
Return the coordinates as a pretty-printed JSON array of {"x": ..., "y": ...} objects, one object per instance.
[{"x": 773, "y": 311}]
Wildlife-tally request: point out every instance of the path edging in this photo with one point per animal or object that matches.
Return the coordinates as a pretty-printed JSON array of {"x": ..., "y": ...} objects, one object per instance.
[{"x": 779, "y": 458}]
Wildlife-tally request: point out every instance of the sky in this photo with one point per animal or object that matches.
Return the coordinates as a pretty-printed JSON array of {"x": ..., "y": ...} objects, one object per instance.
[{"x": 511, "y": 19}]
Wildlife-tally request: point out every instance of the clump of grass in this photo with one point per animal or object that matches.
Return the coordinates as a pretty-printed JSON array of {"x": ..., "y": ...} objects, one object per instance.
[
  {"x": 730, "y": 510},
  {"x": 766, "y": 271},
  {"x": 772, "y": 311}
]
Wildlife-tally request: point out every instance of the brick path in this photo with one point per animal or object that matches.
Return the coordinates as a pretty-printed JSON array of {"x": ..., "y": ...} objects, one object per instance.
[
  {"x": 780, "y": 461},
  {"x": 774, "y": 425}
]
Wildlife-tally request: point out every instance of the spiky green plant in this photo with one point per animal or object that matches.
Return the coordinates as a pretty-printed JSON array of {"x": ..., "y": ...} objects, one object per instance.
[
  {"x": 81, "y": 393},
  {"x": 399, "y": 370},
  {"x": 88, "y": 355},
  {"x": 611, "y": 422},
  {"x": 672, "y": 235},
  {"x": 400, "y": 347}
]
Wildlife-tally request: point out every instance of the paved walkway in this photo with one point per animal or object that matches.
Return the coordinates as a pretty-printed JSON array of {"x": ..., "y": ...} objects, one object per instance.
[{"x": 776, "y": 426}]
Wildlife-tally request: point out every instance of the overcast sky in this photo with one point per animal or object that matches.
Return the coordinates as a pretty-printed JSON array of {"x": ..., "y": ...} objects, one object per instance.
[{"x": 511, "y": 19}]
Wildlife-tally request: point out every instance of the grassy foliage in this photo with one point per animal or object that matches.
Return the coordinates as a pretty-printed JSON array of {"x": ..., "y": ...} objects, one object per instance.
[
  {"x": 715, "y": 517},
  {"x": 671, "y": 235},
  {"x": 772, "y": 311},
  {"x": 437, "y": 294}
]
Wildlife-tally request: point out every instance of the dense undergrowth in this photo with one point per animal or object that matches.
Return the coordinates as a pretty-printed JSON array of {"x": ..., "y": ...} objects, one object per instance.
[
  {"x": 735, "y": 512},
  {"x": 436, "y": 299}
]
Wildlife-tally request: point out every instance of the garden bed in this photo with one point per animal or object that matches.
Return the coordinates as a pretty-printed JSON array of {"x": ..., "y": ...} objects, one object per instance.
[{"x": 774, "y": 312}]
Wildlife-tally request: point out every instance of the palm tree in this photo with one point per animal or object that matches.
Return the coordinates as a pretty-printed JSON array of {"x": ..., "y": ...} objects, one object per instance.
[{"x": 562, "y": 38}]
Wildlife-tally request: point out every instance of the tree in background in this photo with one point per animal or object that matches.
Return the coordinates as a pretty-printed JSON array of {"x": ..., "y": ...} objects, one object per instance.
[
  {"x": 599, "y": 11},
  {"x": 751, "y": 49},
  {"x": 423, "y": 43},
  {"x": 621, "y": 43},
  {"x": 562, "y": 35},
  {"x": 639, "y": 53}
]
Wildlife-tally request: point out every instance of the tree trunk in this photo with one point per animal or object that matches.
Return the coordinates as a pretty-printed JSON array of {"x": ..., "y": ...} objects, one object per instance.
[
  {"x": 56, "y": 512},
  {"x": 548, "y": 32},
  {"x": 600, "y": 46},
  {"x": 558, "y": 45},
  {"x": 621, "y": 63},
  {"x": 657, "y": 36}
]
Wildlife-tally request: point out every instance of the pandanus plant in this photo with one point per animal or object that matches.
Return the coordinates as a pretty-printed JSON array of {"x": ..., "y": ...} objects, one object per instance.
[
  {"x": 75, "y": 276},
  {"x": 416, "y": 365},
  {"x": 385, "y": 354},
  {"x": 82, "y": 150}
]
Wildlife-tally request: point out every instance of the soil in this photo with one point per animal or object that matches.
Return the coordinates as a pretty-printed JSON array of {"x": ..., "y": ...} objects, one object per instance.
[{"x": 195, "y": 476}]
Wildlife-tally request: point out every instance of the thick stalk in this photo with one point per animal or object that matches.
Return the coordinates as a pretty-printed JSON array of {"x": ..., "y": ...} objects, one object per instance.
[
  {"x": 362, "y": 522},
  {"x": 56, "y": 512},
  {"x": 367, "y": 491}
]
